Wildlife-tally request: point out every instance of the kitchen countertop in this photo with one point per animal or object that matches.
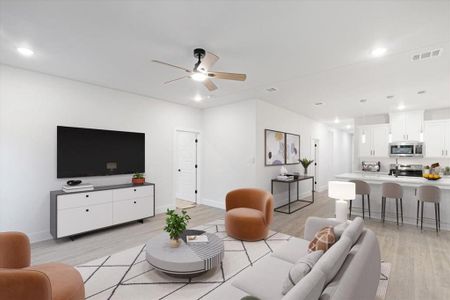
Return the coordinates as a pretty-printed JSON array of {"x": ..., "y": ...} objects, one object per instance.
[{"x": 379, "y": 178}]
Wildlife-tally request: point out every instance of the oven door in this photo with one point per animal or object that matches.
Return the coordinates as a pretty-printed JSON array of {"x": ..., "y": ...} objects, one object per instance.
[{"x": 401, "y": 150}]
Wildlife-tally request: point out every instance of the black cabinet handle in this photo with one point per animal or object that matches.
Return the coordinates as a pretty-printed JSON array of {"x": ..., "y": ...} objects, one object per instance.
[
  {"x": 87, "y": 209},
  {"x": 179, "y": 170},
  {"x": 135, "y": 190},
  {"x": 134, "y": 202},
  {"x": 87, "y": 196}
]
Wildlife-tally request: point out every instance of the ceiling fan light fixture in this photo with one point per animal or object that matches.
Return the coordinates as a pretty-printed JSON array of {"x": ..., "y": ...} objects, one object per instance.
[{"x": 198, "y": 76}]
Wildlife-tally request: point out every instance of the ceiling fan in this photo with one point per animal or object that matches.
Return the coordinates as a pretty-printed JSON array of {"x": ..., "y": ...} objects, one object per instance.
[{"x": 201, "y": 71}]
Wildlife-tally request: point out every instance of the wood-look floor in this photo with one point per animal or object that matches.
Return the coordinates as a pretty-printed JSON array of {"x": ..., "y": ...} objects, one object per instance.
[{"x": 420, "y": 260}]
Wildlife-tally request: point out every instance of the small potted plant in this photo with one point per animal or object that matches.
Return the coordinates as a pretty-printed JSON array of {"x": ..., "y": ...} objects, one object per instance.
[
  {"x": 305, "y": 163},
  {"x": 447, "y": 171},
  {"x": 138, "y": 179},
  {"x": 175, "y": 225}
]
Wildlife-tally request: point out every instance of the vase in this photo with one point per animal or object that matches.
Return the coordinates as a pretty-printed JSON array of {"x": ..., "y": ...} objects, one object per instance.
[
  {"x": 174, "y": 243},
  {"x": 305, "y": 172}
]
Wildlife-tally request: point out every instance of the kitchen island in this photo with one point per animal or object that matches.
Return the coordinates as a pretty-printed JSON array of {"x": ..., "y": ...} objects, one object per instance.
[{"x": 409, "y": 185}]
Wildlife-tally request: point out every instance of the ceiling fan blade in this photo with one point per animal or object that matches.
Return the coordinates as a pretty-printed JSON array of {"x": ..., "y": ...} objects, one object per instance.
[
  {"x": 209, "y": 85},
  {"x": 208, "y": 61},
  {"x": 175, "y": 79},
  {"x": 170, "y": 65},
  {"x": 228, "y": 76}
]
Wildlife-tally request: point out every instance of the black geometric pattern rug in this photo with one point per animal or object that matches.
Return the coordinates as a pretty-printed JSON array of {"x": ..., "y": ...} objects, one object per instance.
[{"x": 127, "y": 275}]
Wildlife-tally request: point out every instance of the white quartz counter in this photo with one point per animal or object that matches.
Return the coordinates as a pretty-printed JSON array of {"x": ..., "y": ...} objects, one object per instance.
[{"x": 379, "y": 178}]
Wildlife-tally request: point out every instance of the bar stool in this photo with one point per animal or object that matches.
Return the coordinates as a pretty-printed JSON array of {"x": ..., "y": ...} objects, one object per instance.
[
  {"x": 432, "y": 194},
  {"x": 393, "y": 191},
  {"x": 362, "y": 188}
]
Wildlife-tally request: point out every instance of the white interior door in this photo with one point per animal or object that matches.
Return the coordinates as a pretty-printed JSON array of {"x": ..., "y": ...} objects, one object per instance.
[
  {"x": 315, "y": 165},
  {"x": 186, "y": 179}
]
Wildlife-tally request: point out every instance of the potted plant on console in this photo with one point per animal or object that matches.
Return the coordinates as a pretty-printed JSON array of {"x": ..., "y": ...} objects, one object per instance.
[
  {"x": 175, "y": 225},
  {"x": 305, "y": 163},
  {"x": 138, "y": 179}
]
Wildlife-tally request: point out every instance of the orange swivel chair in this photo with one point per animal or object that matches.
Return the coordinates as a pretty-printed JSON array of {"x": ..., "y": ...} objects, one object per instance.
[
  {"x": 19, "y": 281},
  {"x": 248, "y": 214}
]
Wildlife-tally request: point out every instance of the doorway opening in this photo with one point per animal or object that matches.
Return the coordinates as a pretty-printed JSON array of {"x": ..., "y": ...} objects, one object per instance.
[
  {"x": 315, "y": 157},
  {"x": 186, "y": 163}
]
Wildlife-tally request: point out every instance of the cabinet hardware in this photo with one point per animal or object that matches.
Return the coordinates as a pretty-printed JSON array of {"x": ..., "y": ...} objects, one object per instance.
[
  {"x": 134, "y": 202},
  {"x": 87, "y": 196},
  {"x": 442, "y": 152},
  {"x": 135, "y": 190},
  {"x": 87, "y": 209}
]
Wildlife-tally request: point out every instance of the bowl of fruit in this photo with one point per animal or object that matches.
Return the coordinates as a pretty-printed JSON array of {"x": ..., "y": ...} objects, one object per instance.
[{"x": 432, "y": 176}]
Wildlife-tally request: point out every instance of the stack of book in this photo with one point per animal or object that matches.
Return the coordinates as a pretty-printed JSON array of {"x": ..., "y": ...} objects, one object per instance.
[
  {"x": 285, "y": 177},
  {"x": 197, "y": 239},
  {"x": 82, "y": 187}
]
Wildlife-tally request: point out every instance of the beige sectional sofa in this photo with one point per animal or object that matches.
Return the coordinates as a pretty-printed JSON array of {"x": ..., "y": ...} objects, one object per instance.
[{"x": 350, "y": 269}]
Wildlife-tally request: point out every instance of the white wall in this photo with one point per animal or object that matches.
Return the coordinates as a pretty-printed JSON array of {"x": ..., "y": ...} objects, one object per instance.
[
  {"x": 233, "y": 143},
  {"x": 228, "y": 150},
  {"x": 335, "y": 154},
  {"x": 33, "y": 104}
]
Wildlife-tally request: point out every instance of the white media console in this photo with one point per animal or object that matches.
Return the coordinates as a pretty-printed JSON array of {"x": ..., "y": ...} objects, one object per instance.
[{"x": 105, "y": 206}]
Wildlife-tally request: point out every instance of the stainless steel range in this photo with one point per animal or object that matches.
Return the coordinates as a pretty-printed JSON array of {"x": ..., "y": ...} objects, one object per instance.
[{"x": 406, "y": 170}]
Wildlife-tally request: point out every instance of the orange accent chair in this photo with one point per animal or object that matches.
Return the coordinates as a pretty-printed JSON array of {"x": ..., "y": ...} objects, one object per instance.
[
  {"x": 19, "y": 281},
  {"x": 249, "y": 213}
]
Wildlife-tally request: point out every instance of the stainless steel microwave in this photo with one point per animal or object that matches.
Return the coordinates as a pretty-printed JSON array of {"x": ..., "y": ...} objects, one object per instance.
[{"x": 406, "y": 149}]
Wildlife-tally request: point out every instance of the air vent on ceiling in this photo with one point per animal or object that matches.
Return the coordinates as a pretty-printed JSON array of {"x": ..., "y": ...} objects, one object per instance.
[{"x": 426, "y": 54}]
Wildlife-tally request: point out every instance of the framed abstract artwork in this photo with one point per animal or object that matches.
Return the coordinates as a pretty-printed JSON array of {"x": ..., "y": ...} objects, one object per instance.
[
  {"x": 292, "y": 148},
  {"x": 275, "y": 148}
]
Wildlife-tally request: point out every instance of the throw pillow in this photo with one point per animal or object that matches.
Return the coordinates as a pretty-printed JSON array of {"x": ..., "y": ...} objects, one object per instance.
[
  {"x": 339, "y": 230},
  {"x": 300, "y": 269},
  {"x": 323, "y": 240}
]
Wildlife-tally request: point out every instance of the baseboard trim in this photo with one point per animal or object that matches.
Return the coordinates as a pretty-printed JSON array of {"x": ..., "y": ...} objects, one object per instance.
[
  {"x": 213, "y": 203},
  {"x": 163, "y": 208},
  {"x": 39, "y": 236}
]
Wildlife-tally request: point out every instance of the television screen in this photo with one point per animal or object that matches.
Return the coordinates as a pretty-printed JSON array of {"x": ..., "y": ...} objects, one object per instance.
[{"x": 93, "y": 152}]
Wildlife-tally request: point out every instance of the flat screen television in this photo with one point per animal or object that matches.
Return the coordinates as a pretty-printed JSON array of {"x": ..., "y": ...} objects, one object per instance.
[{"x": 86, "y": 152}]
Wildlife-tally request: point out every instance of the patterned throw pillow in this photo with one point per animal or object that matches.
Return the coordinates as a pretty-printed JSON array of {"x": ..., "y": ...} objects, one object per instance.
[
  {"x": 302, "y": 267},
  {"x": 323, "y": 240}
]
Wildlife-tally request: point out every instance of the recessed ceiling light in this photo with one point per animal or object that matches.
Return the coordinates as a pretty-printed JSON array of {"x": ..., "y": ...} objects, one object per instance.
[
  {"x": 198, "y": 76},
  {"x": 272, "y": 89},
  {"x": 401, "y": 107},
  {"x": 390, "y": 97},
  {"x": 25, "y": 51},
  {"x": 198, "y": 98},
  {"x": 421, "y": 92},
  {"x": 348, "y": 126},
  {"x": 318, "y": 103},
  {"x": 377, "y": 52},
  {"x": 363, "y": 100},
  {"x": 337, "y": 121}
]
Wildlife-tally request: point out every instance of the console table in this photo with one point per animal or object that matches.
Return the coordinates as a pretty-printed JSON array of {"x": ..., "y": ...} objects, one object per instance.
[
  {"x": 289, "y": 182},
  {"x": 105, "y": 206}
]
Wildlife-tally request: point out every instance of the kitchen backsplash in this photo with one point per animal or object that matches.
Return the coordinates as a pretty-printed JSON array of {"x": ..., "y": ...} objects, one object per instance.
[{"x": 385, "y": 162}]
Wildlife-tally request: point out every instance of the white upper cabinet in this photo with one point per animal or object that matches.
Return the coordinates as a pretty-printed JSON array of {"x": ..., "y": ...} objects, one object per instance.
[
  {"x": 373, "y": 140},
  {"x": 437, "y": 139},
  {"x": 406, "y": 126}
]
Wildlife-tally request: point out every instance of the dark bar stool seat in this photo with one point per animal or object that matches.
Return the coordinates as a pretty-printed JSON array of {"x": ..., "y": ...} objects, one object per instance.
[
  {"x": 361, "y": 188},
  {"x": 393, "y": 191},
  {"x": 431, "y": 194}
]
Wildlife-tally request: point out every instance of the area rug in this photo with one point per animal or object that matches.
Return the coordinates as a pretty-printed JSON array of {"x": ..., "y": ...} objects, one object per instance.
[{"x": 127, "y": 275}]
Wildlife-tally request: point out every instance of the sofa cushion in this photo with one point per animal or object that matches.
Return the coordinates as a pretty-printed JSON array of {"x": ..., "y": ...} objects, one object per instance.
[
  {"x": 265, "y": 279},
  {"x": 323, "y": 239},
  {"x": 339, "y": 230},
  {"x": 300, "y": 269},
  {"x": 332, "y": 260},
  {"x": 354, "y": 229},
  {"x": 309, "y": 288},
  {"x": 293, "y": 250}
]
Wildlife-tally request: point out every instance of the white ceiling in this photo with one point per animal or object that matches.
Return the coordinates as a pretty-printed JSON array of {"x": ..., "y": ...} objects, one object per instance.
[{"x": 310, "y": 50}]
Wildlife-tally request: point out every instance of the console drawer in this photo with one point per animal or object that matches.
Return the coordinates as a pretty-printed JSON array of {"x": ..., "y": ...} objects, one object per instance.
[
  {"x": 83, "y": 199},
  {"x": 77, "y": 220},
  {"x": 132, "y": 209},
  {"x": 133, "y": 193}
]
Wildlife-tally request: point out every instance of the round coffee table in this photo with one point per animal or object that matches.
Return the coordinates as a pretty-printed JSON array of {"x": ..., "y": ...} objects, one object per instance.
[{"x": 188, "y": 260}]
